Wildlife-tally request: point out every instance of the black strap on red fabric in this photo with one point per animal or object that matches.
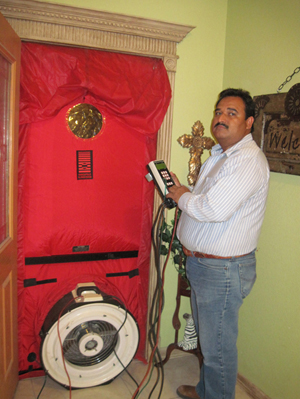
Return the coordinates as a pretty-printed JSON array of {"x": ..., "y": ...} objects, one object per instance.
[
  {"x": 42, "y": 260},
  {"x": 31, "y": 282},
  {"x": 130, "y": 274}
]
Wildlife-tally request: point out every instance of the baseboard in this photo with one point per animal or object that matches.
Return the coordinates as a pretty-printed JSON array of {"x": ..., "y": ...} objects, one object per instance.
[
  {"x": 251, "y": 390},
  {"x": 246, "y": 385}
]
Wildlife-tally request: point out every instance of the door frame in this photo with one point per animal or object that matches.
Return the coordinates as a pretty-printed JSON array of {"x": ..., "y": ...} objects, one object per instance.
[
  {"x": 59, "y": 24},
  {"x": 10, "y": 49}
]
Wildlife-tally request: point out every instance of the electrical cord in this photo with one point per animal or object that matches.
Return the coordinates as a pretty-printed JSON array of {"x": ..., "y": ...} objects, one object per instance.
[
  {"x": 153, "y": 334},
  {"x": 114, "y": 340},
  {"x": 45, "y": 380},
  {"x": 125, "y": 369},
  {"x": 154, "y": 315},
  {"x": 61, "y": 345},
  {"x": 116, "y": 337},
  {"x": 122, "y": 305},
  {"x": 157, "y": 241},
  {"x": 157, "y": 303},
  {"x": 153, "y": 310}
]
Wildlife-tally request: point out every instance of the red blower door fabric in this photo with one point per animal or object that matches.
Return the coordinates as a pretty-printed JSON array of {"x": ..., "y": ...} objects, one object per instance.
[{"x": 61, "y": 214}]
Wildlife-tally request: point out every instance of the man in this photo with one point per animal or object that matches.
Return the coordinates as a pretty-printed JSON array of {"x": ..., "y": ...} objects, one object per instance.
[{"x": 219, "y": 228}]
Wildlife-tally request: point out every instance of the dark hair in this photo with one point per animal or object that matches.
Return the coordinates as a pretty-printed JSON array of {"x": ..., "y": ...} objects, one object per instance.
[{"x": 244, "y": 95}]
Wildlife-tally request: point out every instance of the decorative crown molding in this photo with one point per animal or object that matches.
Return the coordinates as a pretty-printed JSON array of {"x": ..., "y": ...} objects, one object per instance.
[
  {"x": 97, "y": 20},
  {"x": 60, "y": 24}
]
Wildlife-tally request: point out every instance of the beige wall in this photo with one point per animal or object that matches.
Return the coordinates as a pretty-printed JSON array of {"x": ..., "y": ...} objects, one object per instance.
[{"x": 262, "y": 49}]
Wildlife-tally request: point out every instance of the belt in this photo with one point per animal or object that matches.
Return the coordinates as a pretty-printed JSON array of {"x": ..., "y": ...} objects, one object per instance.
[{"x": 202, "y": 255}]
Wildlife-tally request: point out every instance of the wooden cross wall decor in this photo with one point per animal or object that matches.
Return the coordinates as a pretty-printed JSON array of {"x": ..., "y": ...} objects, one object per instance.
[{"x": 197, "y": 144}]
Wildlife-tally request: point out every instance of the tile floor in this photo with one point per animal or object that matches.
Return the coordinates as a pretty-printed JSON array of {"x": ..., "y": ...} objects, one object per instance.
[{"x": 180, "y": 369}]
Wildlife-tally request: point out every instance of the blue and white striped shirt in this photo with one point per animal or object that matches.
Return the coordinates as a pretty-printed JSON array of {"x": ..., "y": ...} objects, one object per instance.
[{"x": 224, "y": 212}]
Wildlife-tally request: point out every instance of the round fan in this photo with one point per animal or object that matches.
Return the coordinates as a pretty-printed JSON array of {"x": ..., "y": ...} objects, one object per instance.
[{"x": 98, "y": 341}]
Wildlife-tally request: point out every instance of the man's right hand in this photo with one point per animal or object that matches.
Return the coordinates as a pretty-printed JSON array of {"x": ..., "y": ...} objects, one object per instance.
[
  {"x": 175, "y": 178},
  {"x": 175, "y": 192}
]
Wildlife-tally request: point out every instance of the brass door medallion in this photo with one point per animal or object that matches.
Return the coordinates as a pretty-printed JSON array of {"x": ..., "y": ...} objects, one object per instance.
[{"x": 85, "y": 120}]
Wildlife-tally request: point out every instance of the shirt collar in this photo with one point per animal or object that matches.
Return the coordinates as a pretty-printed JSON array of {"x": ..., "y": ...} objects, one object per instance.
[{"x": 217, "y": 149}]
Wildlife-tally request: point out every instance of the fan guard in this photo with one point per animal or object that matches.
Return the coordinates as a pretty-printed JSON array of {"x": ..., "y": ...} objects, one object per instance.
[
  {"x": 99, "y": 340},
  {"x": 90, "y": 343}
]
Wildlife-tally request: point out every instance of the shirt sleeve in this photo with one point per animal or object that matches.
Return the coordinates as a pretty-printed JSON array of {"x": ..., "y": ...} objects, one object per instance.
[{"x": 222, "y": 195}]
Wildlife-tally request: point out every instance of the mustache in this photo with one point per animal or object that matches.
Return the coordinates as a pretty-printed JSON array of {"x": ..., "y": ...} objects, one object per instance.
[{"x": 221, "y": 124}]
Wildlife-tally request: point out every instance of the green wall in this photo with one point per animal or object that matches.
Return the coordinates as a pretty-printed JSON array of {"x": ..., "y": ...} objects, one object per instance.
[
  {"x": 255, "y": 45},
  {"x": 262, "y": 49}
]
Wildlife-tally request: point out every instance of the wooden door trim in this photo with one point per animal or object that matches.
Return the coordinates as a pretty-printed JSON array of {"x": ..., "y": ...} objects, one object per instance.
[{"x": 10, "y": 49}]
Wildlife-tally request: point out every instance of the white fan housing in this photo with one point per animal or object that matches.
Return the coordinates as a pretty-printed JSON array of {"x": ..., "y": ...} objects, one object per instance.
[{"x": 99, "y": 340}]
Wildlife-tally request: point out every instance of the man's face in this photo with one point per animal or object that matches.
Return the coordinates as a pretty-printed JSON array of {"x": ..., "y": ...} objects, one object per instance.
[{"x": 229, "y": 125}]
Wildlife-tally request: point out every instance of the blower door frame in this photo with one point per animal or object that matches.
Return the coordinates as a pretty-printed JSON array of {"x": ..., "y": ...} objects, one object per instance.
[{"x": 98, "y": 374}]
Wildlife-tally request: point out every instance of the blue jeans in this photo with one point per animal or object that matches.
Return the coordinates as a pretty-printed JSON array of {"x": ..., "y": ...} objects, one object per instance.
[{"x": 218, "y": 287}]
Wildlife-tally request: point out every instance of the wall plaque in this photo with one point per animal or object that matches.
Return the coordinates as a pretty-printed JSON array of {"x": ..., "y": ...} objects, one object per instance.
[{"x": 277, "y": 129}]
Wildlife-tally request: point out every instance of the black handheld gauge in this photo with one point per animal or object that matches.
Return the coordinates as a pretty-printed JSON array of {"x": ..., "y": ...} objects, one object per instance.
[{"x": 162, "y": 179}]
